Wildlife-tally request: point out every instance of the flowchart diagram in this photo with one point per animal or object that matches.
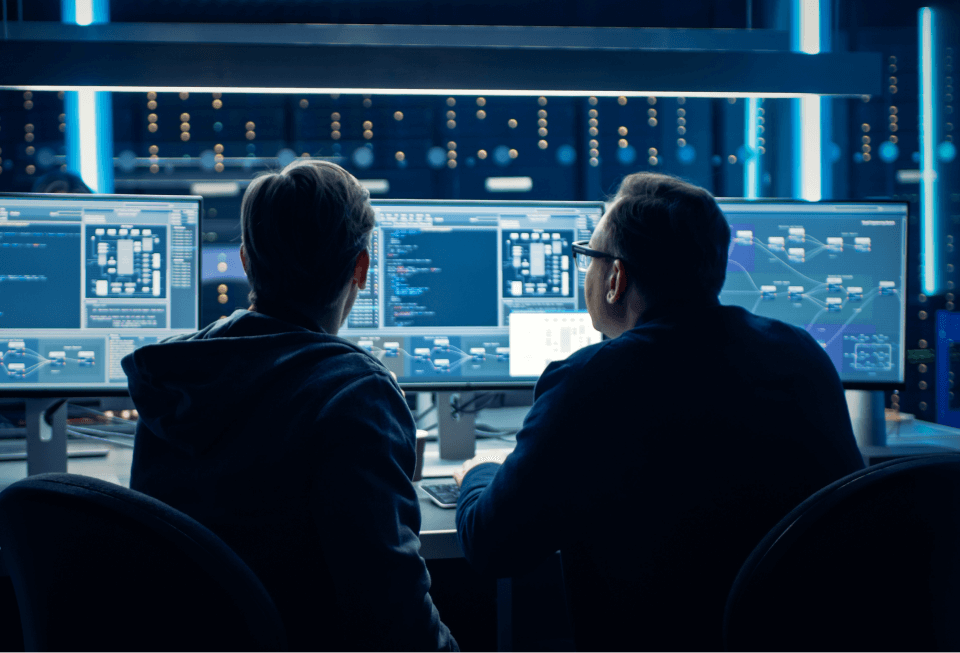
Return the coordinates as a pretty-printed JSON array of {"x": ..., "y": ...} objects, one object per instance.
[{"x": 837, "y": 279}]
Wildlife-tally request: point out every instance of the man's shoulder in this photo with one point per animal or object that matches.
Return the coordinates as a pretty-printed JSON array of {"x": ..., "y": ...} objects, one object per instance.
[{"x": 766, "y": 329}]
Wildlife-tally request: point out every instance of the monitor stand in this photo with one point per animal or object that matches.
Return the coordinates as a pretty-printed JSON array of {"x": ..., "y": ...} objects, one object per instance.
[
  {"x": 867, "y": 417},
  {"x": 457, "y": 432},
  {"x": 46, "y": 436}
]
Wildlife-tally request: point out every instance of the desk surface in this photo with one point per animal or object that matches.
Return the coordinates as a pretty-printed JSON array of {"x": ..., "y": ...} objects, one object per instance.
[{"x": 438, "y": 527}]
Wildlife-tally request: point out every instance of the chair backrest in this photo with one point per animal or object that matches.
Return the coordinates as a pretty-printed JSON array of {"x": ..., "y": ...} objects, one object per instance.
[
  {"x": 871, "y": 562},
  {"x": 97, "y": 566}
]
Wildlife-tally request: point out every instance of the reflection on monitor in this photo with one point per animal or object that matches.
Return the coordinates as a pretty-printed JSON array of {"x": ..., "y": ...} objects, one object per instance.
[
  {"x": 446, "y": 277},
  {"x": 836, "y": 269},
  {"x": 85, "y": 280}
]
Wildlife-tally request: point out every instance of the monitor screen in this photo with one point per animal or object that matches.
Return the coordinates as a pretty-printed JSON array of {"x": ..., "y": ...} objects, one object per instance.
[
  {"x": 836, "y": 269},
  {"x": 85, "y": 280},
  {"x": 474, "y": 293}
]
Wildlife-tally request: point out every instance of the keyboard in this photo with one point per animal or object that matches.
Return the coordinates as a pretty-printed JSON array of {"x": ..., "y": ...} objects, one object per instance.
[{"x": 444, "y": 495}]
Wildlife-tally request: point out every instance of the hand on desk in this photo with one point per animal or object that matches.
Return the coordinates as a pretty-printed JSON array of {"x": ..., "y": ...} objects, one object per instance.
[{"x": 488, "y": 456}]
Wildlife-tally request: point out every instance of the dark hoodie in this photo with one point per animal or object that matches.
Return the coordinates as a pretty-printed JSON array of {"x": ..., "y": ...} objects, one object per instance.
[{"x": 296, "y": 448}]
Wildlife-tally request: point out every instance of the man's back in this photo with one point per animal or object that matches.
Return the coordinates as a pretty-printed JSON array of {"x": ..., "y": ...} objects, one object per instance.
[
  {"x": 655, "y": 462},
  {"x": 296, "y": 448}
]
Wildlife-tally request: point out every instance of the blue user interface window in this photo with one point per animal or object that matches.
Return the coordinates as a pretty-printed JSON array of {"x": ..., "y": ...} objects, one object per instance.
[
  {"x": 85, "y": 280},
  {"x": 446, "y": 276},
  {"x": 835, "y": 269}
]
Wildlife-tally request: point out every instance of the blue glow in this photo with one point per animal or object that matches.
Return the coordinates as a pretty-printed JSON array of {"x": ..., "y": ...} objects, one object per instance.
[
  {"x": 286, "y": 156},
  {"x": 89, "y": 151},
  {"x": 626, "y": 155},
  {"x": 946, "y": 152},
  {"x": 810, "y": 164},
  {"x": 808, "y": 182},
  {"x": 89, "y": 112},
  {"x": 809, "y": 11},
  {"x": 686, "y": 154},
  {"x": 436, "y": 157},
  {"x": 928, "y": 159},
  {"x": 363, "y": 157},
  {"x": 888, "y": 152},
  {"x": 751, "y": 156},
  {"x": 85, "y": 12},
  {"x": 566, "y": 155}
]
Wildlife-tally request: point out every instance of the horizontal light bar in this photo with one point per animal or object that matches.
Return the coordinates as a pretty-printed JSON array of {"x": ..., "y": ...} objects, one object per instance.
[
  {"x": 508, "y": 184},
  {"x": 402, "y": 91},
  {"x": 215, "y": 188},
  {"x": 376, "y": 186},
  {"x": 908, "y": 176}
]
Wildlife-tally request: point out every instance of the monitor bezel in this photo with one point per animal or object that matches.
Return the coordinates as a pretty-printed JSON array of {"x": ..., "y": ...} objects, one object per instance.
[
  {"x": 856, "y": 385},
  {"x": 105, "y": 391},
  {"x": 481, "y": 386}
]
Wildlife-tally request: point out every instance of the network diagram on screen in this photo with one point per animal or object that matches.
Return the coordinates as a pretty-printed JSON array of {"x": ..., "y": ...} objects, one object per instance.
[
  {"x": 474, "y": 292},
  {"x": 85, "y": 280},
  {"x": 834, "y": 269}
]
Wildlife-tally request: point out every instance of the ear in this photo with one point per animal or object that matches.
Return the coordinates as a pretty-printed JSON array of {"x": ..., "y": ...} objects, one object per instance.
[
  {"x": 617, "y": 282},
  {"x": 360, "y": 270},
  {"x": 243, "y": 258}
]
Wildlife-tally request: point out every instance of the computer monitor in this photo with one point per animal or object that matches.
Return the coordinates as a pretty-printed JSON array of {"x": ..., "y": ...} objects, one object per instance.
[
  {"x": 474, "y": 294},
  {"x": 87, "y": 279},
  {"x": 836, "y": 269}
]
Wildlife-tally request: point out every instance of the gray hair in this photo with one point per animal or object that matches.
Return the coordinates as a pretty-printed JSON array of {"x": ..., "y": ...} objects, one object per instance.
[{"x": 302, "y": 229}]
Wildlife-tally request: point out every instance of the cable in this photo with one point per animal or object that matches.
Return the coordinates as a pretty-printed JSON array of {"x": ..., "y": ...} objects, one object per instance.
[
  {"x": 126, "y": 445},
  {"x": 425, "y": 412},
  {"x": 86, "y": 430},
  {"x": 489, "y": 397}
]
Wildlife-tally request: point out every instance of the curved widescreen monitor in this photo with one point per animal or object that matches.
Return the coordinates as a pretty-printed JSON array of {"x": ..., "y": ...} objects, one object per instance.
[
  {"x": 85, "y": 280},
  {"x": 836, "y": 269},
  {"x": 474, "y": 293}
]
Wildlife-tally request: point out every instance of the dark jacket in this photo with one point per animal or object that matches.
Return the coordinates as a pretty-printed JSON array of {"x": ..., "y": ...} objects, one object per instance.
[
  {"x": 297, "y": 449},
  {"x": 655, "y": 463}
]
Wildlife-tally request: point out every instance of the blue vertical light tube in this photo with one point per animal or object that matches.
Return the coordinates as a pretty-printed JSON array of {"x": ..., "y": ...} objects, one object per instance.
[
  {"x": 807, "y": 134},
  {"x": 751, "y": 166},
  {"x": 89, "y": 113},
  {"x": 929, "y": 183}
]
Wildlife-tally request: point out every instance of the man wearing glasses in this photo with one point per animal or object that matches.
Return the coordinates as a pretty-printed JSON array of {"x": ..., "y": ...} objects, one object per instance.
[{"x": 656, "y": 461}]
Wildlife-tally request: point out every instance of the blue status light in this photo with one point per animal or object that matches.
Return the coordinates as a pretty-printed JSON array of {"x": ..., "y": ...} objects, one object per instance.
[
  {"x": 889, "y": 152},
  {"x": 686, "y": 154},
  {"x": 947, "y": 152},
  {"x": 627, "y": 155},
  {"x": 566, "y": 155}
]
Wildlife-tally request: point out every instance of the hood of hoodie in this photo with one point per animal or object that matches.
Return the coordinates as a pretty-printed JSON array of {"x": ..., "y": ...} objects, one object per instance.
[{"x": 187, "y": 387}]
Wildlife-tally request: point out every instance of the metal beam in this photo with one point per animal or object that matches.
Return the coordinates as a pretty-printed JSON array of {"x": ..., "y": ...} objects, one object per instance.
[
  {"x": 420, "y": 69},
  {"x": 463, "y": 36}
]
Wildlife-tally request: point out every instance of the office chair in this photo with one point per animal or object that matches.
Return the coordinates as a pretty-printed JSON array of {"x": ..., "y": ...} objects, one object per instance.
[
  {"x": 871, "y": 562},
  {"x": 97, "y": 566}
]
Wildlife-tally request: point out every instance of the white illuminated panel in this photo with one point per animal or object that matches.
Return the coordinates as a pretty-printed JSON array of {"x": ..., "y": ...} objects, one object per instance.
[{"x": 538, "y": 339}]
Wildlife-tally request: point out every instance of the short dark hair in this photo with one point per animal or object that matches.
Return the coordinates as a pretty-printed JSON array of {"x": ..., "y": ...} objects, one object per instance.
[
  {"x": 302, "y": 229},
  {"x": 672, "y": 234},
  {"x": 60, "y": 181}
]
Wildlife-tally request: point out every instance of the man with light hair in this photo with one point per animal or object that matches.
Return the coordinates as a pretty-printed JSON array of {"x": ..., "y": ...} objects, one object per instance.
[
  {"x": 294, "y": 445},
  {"x": 656, "y": 461}
]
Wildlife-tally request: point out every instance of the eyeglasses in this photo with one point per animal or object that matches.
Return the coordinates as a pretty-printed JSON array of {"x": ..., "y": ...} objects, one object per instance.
[{"x": 584, "y": 254}]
